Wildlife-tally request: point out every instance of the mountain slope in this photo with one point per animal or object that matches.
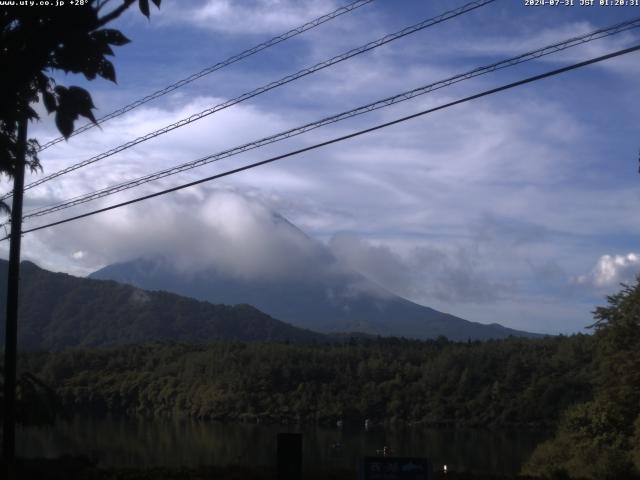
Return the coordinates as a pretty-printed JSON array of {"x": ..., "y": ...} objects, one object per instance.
[
  {"x": 58, "y": 310},
  {"x": 328, "y": 299}
]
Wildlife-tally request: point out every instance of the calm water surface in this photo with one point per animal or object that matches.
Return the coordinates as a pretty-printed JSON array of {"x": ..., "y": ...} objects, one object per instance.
[{"x": 138, "y": 442}]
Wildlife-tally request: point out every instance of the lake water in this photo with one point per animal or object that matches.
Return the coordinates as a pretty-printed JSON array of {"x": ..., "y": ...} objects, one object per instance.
[{"x": 138, "y": 442}]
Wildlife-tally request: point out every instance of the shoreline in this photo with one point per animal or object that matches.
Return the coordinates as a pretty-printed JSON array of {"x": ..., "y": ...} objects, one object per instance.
[{"x": 82, "y": 468}]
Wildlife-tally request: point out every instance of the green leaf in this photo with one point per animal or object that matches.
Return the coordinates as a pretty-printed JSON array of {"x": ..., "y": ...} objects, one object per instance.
[
  {"x": 144, "y": 7},
  {"x": 106, "y": 70},
  {"x": 76, "y": 58},
  {"x": 43, "y": 81},
  {"x": 114, "y": 37},
  {"x": 81, "y": 102},
  {"x": 49, "y": 101},
  {"x": 64, "y": 122},
  {"x": 72, "y": 101}
]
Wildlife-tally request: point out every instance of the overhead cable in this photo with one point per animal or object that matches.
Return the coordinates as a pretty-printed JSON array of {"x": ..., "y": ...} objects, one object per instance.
[
  {"x": 206, "y": 71},
  {"x": 340, "y": 139},
  {"x": 560, "y": 46},
  {"x": 258, "y": 91}
]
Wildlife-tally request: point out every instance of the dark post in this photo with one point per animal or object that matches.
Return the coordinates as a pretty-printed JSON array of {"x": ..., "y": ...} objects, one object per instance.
[
  {"x": 289, "y": 456},
  {"x": 11, "y": 330}
]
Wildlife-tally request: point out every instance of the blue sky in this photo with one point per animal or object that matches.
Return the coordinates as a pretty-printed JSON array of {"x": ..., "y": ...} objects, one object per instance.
[{"x": 519, "y": 208}]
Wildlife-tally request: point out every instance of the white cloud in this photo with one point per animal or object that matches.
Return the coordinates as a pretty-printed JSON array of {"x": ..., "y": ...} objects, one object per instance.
[
  {"x": 611, "y": 271},
  {"x": 247, "y": 17},
  {"x": 221, "y": 229},
  {"x": 211, "y": 134}
]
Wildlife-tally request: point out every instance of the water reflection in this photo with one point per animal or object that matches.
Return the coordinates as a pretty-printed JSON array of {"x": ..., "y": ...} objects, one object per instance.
[{"x": 140, "y": 442}]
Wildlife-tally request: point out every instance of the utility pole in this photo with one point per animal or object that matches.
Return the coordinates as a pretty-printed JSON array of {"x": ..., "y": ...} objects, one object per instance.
[{"x": 11, "y": 330}]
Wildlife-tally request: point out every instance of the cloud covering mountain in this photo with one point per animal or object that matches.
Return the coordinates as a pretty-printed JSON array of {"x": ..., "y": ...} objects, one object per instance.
[{"x": 256, "y": 256}]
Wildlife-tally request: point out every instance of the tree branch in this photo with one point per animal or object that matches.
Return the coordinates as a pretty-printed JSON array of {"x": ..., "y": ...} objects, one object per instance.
[{"x": 114, "y": 13}]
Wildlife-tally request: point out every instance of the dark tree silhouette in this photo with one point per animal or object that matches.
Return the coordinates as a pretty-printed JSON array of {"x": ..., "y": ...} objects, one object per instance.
[{"x": 34, "y": 42}]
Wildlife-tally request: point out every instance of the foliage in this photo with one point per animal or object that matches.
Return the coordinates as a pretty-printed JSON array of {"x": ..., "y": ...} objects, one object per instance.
[
  {"x": 599, "y": 439},
  {"x": 590, "y": 443},
  {"x": 635, "y": 445},
  {"x": 36, "y": 402},
  {"x": 36, "y": 42},
  {"x": 618, "y": 334},
  {"x": 514, "y": 382}
]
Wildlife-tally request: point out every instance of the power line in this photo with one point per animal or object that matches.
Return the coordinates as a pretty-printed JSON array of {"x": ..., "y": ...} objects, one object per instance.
[
  {"x": 265, "y": 88},
  {"x": 600, "y": 33},
  {"x": 560, "y": 46},
  {"x": 342, "y": 138},
  {"x": 233, "y": 59}
]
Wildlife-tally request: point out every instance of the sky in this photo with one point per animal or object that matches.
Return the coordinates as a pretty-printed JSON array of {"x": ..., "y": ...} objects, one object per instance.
[{"x": 518, "y": 208}]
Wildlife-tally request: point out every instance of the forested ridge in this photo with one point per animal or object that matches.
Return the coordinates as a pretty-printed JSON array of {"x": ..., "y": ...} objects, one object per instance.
[
  {"x": 524, "y": 382},
  {"x": 59, "y": 310}
]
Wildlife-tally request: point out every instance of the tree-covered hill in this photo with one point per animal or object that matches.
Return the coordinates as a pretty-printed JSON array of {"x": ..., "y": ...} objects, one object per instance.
[
  {"x": 58, "y": 311},
  {"x": 514, "y": 382}
]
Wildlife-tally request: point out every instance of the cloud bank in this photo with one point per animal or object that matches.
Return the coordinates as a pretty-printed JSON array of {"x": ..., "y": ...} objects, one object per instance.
[
  {"x": 452, "y": 275},
  {"x": 219, "y": 229}
]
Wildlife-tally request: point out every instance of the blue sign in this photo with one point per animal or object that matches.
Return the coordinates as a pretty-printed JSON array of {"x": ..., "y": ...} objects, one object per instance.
[{"x": 395, "y": 468}]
